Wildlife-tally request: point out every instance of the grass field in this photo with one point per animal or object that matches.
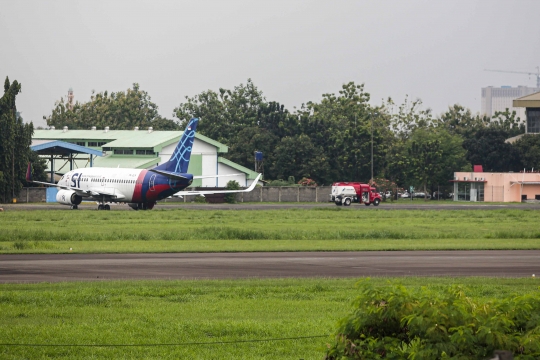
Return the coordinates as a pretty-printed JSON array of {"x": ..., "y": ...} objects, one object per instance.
[
  {"x": 181, "y": 312},
  {"x": 319, "y": 229}
]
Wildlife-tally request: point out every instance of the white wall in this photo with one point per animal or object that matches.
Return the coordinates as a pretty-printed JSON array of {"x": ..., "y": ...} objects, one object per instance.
[
  {"x": 226, "y": 169},
  {"x": 199, "y": 148},
  {"x": 209, "y": 168}
]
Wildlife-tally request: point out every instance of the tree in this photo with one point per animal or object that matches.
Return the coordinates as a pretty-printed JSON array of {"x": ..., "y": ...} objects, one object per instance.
[
  {"x": 489, "y": 149},
  {"x": 119, "y": 111},
  {"x": 232, "y": 185},
  {"x": 528, "y": 150},
  {"x": 508, "y": 122},
  {"x": 460, "y": 121},
  {"x": 424, "y": 158},
  {"x": 341, "y": 126},
  {"x": 297, "y": 156},
  {"x": 15, "y": 141},
  {"x": 223, "y": 114}
]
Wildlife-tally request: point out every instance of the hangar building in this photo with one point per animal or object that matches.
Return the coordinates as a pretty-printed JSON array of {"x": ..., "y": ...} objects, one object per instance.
[{"x": 145, "y": 149}]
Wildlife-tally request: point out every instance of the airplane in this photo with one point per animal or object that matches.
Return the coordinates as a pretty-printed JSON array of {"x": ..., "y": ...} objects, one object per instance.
[{"x": 139, "y": 188}]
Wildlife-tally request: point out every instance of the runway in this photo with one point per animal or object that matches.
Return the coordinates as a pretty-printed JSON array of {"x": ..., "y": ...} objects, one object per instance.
[{"x": 92, "y": 267}]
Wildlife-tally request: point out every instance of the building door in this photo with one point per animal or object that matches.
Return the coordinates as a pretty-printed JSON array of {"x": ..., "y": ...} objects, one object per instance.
[{"x": 474, "y": 193}]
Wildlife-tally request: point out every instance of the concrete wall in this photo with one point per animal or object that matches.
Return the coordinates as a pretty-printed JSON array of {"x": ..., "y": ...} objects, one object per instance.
[
  {"x": 32, "y": 195},
  {"x": 272, "y": 194},
  {"x": 287, "y": 194}
]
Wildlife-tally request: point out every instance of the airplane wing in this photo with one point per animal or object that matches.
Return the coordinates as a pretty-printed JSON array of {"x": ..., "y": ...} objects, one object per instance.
[
  {"x": 214, "y": 176},
  {"x": 109, "y": 192},
  {"x": 78, "y": 190},
  {"x": 90, "y": 192},
  {"x": 208, "y": 192}
]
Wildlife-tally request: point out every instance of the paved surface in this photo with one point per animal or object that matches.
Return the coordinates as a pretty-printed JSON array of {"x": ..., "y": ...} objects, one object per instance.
[
  {"x": 82, "y": 267},
  {"x": 446, "y": 205}
]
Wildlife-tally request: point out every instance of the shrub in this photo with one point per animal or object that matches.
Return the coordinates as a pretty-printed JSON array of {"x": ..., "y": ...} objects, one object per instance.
[
  {"x": 307, "y": 182},
  {"x": 397, "y": 323},
  {"x": 232, "y": 185}
]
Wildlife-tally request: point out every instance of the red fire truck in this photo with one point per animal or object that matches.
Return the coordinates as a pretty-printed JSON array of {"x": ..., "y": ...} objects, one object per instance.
[{"x": 345, "y": 193}]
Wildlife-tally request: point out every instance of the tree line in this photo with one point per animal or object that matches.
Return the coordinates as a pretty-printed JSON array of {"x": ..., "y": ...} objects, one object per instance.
[
  {"x": 15, "y": 141},
  {"x": 329, "y": 140}
]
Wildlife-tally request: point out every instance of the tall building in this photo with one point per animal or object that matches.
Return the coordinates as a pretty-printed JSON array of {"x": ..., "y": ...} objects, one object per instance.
[{"x": 500, "y": 98}]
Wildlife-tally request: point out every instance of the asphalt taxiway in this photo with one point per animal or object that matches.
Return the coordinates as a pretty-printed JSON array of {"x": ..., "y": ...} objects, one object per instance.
[{"x": 92, "y": 267}]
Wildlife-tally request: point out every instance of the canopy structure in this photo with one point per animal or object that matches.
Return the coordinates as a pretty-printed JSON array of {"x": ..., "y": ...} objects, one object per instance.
[{"x": 61, "y": 150}]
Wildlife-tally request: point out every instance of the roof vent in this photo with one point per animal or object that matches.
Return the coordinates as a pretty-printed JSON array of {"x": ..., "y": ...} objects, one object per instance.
[
  {"x": 93, "y": 128},
  {"x": 106, "y": 129},
  {"x": 52, "y": 128},
  {"x": 65, "y": 129},
  {"x": 150, "y": 129},
  {"x": 136, "y": 128}
]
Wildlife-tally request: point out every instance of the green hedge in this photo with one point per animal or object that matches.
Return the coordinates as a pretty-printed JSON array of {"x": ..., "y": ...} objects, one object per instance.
[{"x": 393, "y": 322}]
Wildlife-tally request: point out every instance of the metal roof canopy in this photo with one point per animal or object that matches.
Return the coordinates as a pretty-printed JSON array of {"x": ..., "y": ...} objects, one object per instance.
[{"x": 61, "y": 150}]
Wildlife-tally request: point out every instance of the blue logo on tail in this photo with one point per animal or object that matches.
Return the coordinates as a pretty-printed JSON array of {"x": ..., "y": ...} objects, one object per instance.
[{"x": 179, "y": 160}]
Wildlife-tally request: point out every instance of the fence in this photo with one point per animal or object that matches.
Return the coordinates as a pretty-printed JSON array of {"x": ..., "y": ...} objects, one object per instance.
[{"x": 259, "y": 194}]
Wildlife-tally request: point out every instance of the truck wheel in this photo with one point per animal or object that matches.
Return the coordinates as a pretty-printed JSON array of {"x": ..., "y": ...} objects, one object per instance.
[
  {"x": 376, "y": 202},
  {"x": 338, "y": 203},
  {"x": 367, "y": 204},
  {"x": 347, "y": 202}
]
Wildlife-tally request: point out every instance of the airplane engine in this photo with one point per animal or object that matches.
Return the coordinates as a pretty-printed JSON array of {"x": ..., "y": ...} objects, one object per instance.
[{"x": 68, "y": 197}]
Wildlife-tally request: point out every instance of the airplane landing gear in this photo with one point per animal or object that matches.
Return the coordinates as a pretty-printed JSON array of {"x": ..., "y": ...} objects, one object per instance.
[
  {"x": 103, "y": 207},
  {"x": 74, "y": 207}
]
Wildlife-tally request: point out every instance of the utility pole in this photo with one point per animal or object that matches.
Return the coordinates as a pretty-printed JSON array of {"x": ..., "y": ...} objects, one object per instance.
[{"x": 371, "y": 116}]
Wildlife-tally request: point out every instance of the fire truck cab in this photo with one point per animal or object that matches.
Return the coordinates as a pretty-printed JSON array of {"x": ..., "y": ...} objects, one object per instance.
[{"x": 345, "y": 193}]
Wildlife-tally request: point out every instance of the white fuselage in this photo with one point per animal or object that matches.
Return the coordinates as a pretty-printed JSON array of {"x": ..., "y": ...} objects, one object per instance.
[{"x": 117, "y": 181}]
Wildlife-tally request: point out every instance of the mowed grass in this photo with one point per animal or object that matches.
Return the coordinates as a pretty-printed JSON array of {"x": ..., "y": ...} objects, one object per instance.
[
  {"x": 319, "y": 229},
  {"x": 244, "y": 315}
]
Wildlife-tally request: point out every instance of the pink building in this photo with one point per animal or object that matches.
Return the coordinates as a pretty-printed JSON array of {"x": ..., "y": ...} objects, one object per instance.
[{"x": 496, "y": 187}]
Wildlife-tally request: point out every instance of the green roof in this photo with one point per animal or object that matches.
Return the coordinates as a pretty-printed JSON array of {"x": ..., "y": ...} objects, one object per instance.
[
  {"x": 125, "y": 138},
  {"x": 131, "y": 162},
  {"x": 250, "y": 174}
]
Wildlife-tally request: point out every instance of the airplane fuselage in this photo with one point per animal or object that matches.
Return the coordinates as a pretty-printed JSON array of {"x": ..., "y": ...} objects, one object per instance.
[{"x": 123, "y": 185}]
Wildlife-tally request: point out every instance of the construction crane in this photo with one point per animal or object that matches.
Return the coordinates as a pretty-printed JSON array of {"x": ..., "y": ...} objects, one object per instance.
[{"x": 537, "y": 74}]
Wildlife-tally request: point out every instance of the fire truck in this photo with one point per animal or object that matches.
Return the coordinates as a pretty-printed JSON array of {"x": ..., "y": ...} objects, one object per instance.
[{"x": 345, "y": 193}]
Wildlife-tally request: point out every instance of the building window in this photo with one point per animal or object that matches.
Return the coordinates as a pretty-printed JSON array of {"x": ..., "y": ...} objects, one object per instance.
[
  {"x": 81, "y": 143},
  {"x": 533, "y": 120},
  {"x": 101, "y": 143},
  {"x": 92, "y": 144},
  {"x": 123, "y": 152}
]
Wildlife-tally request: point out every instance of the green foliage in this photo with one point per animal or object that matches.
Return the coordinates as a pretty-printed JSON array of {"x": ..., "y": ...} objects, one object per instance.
[
  {"x": 199, "y": 199},
  {"x": 119, "y": 111},
  {"x": 232, "y": 185},
  {"x": 488, "y": 148},
  {"x": 15, "y": 141},
  {"x": 395, "y": 322},
  {"x": 507, "y": 121},
  {"x": 528, "y": 150}
]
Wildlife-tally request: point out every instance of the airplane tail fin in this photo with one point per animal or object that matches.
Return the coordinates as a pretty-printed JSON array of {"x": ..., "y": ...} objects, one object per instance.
[
  {"x": 179, "y": 161},
  {"x": 29, "y": 173}
]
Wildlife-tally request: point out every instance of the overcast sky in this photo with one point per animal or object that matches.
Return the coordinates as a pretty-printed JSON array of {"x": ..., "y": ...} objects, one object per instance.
[{"x": 294, "y": 51}]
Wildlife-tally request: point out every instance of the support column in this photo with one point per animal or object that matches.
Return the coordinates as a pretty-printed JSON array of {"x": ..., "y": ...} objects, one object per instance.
[{"x": 52, "y": 169}]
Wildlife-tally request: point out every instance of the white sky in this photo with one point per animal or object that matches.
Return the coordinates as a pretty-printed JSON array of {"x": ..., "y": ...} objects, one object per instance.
[{"x": 294, "y": 51}]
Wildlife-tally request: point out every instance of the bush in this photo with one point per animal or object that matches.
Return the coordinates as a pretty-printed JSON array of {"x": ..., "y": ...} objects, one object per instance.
[
  {"x": 397, "y": 323},
  {"x": 232, "y": 185},
  {"x": 307, "y": 182}
]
